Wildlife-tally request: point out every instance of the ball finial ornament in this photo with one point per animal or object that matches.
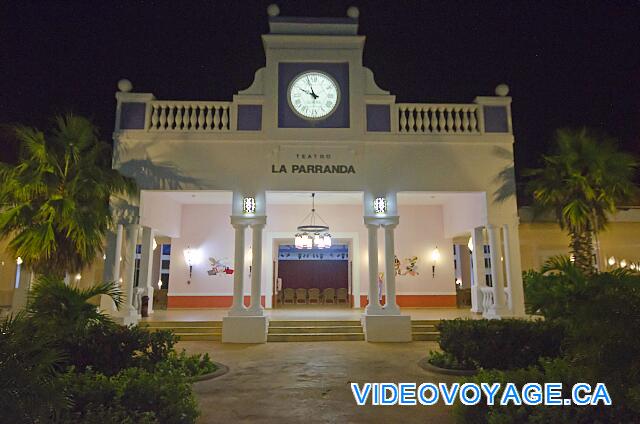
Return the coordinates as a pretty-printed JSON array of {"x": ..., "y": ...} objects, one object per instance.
[
  {"x": 125, "y": 85},
  {"x": 353, "y": 12},
  {"x": 273, "y": 10},
  {"x": 502, "y": 90}
]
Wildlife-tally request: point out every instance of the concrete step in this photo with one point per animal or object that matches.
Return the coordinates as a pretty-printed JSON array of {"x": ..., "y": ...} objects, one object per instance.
[
  {"x": 427, "y": 327},
  {"x": 425, "y": 335},
  {"x": 184, "y": 337},
  {"x": 335, "y": 329},
  {"x": 313, "y": 323},
  {"x": 425, "y": 322},
  {"x": 177, "y": 324},
  {"x": 315, "y": 337},
  {"x": 187, "y": 330}
]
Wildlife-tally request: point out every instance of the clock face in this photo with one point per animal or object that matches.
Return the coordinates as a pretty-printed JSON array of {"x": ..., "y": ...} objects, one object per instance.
[{"x": 313, "y": 95}]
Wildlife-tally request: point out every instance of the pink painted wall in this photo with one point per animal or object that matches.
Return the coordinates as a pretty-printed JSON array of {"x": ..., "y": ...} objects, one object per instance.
[{"x": 207, "y": 228}]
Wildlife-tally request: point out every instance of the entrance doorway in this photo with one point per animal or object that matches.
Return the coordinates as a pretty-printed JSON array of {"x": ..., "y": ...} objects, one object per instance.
[{"x": 312, "y": 277}]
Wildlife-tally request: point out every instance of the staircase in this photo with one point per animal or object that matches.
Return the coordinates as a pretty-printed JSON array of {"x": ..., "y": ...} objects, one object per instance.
[
  {"x": 189, "y": 330},
  {"x": 425, "y": 330},
  {"x": 314, "y": 331}
]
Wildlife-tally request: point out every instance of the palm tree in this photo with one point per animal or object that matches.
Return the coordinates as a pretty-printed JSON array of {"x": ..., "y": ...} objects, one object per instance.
[
  {"x": 54, "y": 203},
  {"x": 583, "y": 181}
]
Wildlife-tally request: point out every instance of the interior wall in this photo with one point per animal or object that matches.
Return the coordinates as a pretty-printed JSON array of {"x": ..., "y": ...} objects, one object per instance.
[{"x": 207, "y": 228}]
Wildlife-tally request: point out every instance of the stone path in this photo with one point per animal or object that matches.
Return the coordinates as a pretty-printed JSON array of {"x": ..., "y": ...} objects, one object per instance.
[{"x": 309, "y": 382}]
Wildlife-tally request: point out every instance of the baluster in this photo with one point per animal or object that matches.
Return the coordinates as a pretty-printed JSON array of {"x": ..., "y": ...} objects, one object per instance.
[
  {"x": 458, "y": 121},
  {"x": 449, "y": 114},
  {"x": 178, "y": 117},
  {"x": 201, "y": 118},
  {"x": 194, "y": 117},
  {"x": 465, "y": 119},
  {"x": 441, "y": 119},
  {"x": 154, "y": 117},
  {"x": 434, "y": 120},
  {"x": 216, "y": 118},
  {"x": 411, "y": 120},
  {"x": 209, "y": 118},
  {"x": 170, "y": 118},
  {"x": 473, "y": 120},
  {"x": 163, "y": 117},
  {"x": 225, "y": 118},
  {"x": 403, "y": 120},
  {"x": 419, "y": 119}
]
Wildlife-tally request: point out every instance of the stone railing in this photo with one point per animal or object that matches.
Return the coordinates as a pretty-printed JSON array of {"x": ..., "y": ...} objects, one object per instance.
[
  {"x": 188, "y": 116},
  {"x": 487, "y": 298},
  {"x": 418, "y": 118}
]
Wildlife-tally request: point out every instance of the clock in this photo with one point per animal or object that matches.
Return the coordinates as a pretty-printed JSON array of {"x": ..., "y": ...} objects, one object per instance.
[{"x": 313, "y": 95}]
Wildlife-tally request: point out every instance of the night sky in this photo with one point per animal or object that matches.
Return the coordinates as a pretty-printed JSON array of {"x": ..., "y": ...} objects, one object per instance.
[{"x": 567, "y": 63}]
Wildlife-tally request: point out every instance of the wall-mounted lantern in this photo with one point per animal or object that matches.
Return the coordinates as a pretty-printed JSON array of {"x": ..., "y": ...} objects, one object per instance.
[
  {"x": 249, "y": 205},
  {"x": 435, "y": 258},
  {"x": 470, "y": 244},
  {"x": 611, "y": 261},
  {"x": 623, "y": 263},
  {"x": 380, "y": 205},
  {"x": 159, "y": 284}
]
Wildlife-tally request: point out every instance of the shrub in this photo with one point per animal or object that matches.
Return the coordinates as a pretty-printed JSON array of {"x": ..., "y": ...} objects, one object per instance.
[
  {"x": 109, "y": 348},
  {"x": 555, "y": 370},
  {"x": 187, "y": 365},
  {"x": 501, "y": 344},
  {"x": 448, "y": 361},
  {"x": 133, "y": 395}
]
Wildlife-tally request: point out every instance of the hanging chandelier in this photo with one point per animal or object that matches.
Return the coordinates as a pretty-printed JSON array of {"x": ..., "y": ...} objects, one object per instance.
[{"x": 312, "y": 234}]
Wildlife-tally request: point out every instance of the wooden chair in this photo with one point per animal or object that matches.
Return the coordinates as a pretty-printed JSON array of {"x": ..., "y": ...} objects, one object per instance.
[
  {"x": 314, "y": 296},
  {"x": 289, "y": 296},
  {"x": 329, "y": 295},
  {"x": 301, "y": 295},
  {"x": 342, "y": 296}
]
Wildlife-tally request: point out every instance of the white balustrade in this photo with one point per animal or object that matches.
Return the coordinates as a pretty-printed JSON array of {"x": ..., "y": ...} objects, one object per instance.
[
  {"x": 487, "y": 298},
  {"x": 188, "y": 116},
  {"x": 416, "y": 118}
]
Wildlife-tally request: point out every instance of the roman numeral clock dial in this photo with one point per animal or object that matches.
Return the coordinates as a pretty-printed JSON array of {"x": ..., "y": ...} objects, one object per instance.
[{"x": 313, "y": 95}]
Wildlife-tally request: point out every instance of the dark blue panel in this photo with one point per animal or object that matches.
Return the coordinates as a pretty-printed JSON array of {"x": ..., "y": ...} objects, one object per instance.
[
  {"x": 249, "y": 117},
  {"x": 132, "y": 116},
  {"x": 495, "y": 119},
  {"x": 288, "y": 119},
  {"x": 378, "y": 118}
]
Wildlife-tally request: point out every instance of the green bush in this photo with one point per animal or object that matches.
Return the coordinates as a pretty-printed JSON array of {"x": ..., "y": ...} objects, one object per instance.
[
  {"x": 109, "y": 348},
  {"x": 133, "y": 395},
  {"x": 186, "y": 365},
  {"x": 448, "y": 361},
  {"x": 554, "y": 370},
  {"x": 500, "y": 344}
]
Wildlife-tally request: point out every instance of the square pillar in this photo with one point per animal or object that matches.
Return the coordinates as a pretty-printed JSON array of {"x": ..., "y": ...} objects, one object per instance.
[
  {"x": 146, "y": 266},
  {"x": 514, "y": 269},
  {"x": 477, "y": 259},
  {"x": 128, "y": 313},
  {"x": 499, "y": 308},
  {"x": 113, "y": 259}
]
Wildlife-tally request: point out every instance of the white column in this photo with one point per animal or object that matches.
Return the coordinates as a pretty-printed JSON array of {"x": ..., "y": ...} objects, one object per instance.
[
  {"x": 477, "y": 257},
  {"x": 497, "y": 275},
  {"x": 118, "y": 255},
  {"x": 256, "y": 270},
  {"x": 238, "y": 308},
  {"x": 514, "y": 269},
  {"x": 391, "y": 306},
  {"x": 130, "y": 261},
  {"x": 146, "y": 265},
  {"x": 373, "y": 307}
]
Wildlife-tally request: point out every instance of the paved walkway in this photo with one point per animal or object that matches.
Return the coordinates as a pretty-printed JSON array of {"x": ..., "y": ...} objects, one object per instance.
[{"x": 309, "y": 382}]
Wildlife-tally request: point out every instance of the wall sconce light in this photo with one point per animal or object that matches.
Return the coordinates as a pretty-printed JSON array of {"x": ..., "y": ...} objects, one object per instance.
[
  {"x": 435, "y": 257},
  {"x": 159, "y": 284},
  {"x": 623, "y": 263},
  {"x": 78, "y": 277},
  {"x": 191, "y": 257},
  {"x": 155, "y": 244},
  {"x": 612, "y": 261},
  {"x": 249, "y": 205},
  {"x": 470, "y": 244},
  {"x": 380, "y": 205},
  {"x": 459, "y": 282},
  {"x": 19, "y": 260}
]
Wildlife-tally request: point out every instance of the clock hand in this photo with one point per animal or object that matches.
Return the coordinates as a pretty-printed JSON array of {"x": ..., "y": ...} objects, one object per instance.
[{"x": 315, "y": 96}]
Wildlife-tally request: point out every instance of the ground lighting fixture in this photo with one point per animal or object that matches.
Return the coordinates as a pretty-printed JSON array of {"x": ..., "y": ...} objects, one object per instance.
[{"x": 313, "y": 234}]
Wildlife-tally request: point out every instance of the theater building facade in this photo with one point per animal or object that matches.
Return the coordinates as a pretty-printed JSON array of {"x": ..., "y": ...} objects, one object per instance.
[{"x": 408, "y": 199}]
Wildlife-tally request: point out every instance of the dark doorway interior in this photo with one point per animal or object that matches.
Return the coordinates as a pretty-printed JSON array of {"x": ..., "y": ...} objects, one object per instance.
[{"x": 314, "y": 274}]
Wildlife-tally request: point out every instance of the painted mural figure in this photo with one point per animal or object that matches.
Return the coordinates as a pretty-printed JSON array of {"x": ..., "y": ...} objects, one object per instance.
[
  {"x": 408, "y": 267},
  {"x": 219, "y": 267}
]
